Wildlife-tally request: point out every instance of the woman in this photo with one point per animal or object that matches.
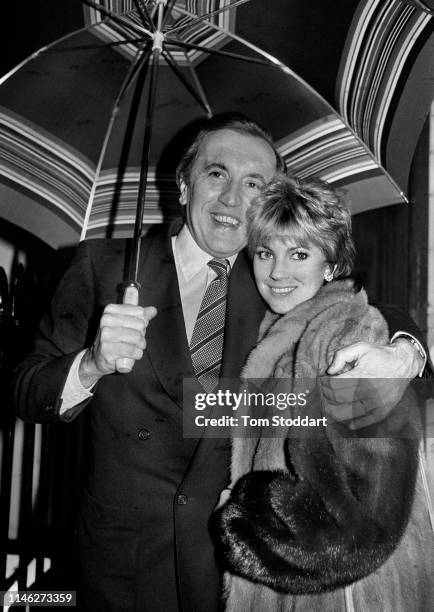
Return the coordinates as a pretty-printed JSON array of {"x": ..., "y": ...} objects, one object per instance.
[{"x": 328, "y": 523}]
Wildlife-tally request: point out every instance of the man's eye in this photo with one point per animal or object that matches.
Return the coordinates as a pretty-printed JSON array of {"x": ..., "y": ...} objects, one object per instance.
[
  {"x": 264, "y": 254},
  {"x": 216, "y": 174}
]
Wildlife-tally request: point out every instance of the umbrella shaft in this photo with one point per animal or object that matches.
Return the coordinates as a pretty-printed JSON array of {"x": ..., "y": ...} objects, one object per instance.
[
  {"x": 135, "y": 252},
  {"x": 156, "y": 50}
]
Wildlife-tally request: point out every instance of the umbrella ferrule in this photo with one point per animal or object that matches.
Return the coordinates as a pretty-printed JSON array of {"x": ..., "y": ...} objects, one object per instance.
[{"x": 158, "y": 38}]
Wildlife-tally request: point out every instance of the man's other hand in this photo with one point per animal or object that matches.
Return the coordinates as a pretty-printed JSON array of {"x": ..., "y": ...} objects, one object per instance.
[
  {"x": 393, "y": 366},
  {"x": 365, "y": 360}
]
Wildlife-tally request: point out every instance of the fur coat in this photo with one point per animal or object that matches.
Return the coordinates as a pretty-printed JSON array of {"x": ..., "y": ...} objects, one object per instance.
[{"x": 338, "y": 522}]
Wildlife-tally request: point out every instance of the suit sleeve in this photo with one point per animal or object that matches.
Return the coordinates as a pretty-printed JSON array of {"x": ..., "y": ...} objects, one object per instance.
[
  {"x": 399, "y": 320},
  {"x": 63, "y": 332}
]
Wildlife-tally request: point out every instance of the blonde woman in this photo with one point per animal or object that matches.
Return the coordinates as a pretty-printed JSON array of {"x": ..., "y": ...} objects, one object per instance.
[{"x": 330, "y": 523}]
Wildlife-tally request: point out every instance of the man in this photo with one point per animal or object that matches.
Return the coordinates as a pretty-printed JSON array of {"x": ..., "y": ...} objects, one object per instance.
[{"x": 149, "y": 493}]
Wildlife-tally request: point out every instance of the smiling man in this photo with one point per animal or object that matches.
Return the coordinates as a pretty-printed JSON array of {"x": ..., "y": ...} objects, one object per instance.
[
  {"x": 230, "y": 171},
  {"x": 143, "y": 529}
]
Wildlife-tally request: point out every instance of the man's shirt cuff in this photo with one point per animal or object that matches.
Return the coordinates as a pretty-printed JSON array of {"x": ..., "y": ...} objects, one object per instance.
[
  {"x": 417, "y": 345},
  {"x": 73, "y": 392}
]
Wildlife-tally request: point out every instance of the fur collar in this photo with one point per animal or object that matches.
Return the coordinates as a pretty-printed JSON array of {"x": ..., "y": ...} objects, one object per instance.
[{"x": 278, "y": 335}]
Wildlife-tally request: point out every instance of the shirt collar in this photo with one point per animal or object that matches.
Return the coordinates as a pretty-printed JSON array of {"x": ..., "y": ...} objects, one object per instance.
[{"x": 190, "y": 258}]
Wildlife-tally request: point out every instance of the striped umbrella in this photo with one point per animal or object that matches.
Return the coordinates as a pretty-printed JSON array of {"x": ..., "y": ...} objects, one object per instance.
[{"x": 91, "y": 125}]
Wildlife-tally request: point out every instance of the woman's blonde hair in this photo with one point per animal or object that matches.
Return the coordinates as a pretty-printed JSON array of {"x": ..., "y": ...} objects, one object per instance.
[{"x": 309, "y": 212}]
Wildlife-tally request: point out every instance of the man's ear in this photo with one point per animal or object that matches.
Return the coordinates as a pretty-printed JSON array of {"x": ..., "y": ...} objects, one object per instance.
[{"x": 183, "y": 192}]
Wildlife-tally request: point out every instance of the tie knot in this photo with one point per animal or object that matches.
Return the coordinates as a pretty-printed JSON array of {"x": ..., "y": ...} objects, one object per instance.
[{"x": 220, "y": 266}]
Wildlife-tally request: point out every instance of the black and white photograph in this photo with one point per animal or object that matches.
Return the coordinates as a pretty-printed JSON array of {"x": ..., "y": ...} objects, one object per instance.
[{"x": 217, "y": 305}]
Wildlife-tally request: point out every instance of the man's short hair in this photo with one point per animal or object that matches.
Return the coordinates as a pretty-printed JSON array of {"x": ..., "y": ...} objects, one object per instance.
[
  {"x": 308, "y": 212},
  {"x": 224, "y": 121}
]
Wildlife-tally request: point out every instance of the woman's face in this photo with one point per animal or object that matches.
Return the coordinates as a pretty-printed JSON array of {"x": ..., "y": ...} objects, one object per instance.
[{"x": 287, "y": 274}]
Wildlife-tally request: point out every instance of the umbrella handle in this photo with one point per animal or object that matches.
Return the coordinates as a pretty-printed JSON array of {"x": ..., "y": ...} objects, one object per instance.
[{"x": 131, "y": 296}]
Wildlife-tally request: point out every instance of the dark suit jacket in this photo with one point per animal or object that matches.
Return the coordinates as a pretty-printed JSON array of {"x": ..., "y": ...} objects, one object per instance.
[
  {"x": 142, "y": 546},
  {"x": 149, "y": 492}
]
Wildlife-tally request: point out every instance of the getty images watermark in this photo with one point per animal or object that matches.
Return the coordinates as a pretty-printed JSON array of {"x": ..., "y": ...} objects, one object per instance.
[
  {"x": 254, "y": 407},
  {"x": 302, "y": 408},
  {"x": 248, "y": 404}
]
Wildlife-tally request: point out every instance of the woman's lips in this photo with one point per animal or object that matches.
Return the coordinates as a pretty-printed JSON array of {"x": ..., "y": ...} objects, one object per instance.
[{"x": 281, "y": 290}]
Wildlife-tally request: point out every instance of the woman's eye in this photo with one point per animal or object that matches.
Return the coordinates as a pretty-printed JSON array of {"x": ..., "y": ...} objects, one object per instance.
[
  {"x": 254, "y": 185},
  {"x": 300, "y": 255},
  {"x": 264, "y": 254}
]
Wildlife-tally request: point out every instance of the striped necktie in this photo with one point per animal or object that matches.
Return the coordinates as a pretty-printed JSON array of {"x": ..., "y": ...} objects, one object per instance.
[{"x": 206, "y": 344}]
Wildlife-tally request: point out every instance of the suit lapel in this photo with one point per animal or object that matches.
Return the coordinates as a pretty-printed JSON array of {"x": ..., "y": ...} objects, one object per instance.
[{"x": 167, "y": 346}]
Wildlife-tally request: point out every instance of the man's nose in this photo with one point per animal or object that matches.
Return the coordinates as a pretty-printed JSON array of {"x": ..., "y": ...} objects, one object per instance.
[{"x": 230, "y": 194}]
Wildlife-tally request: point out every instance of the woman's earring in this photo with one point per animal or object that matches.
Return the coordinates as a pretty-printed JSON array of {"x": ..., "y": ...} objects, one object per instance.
[{"x": 328, "y": 276}]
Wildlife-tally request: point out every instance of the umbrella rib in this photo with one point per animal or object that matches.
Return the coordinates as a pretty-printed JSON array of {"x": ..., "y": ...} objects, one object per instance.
[
  {"x": 143, "y": 12},
  {"x": 172, "y": 64},
  {"x": 107, "y": 12},
  {"x": 103, "y": 45},
  {"x": 118, "y": 17},
  {"x": 49, "y": 47},
  {"x": 140, "y": 55},
  {"x": 270, "y": 58},
  {"x": 147, "y": 13},
  {"x": 167, "y": 13},
  {"x": 198, "y": 85},
  {"x": 208, "y": 15},
  {"x": 137, "y": 65},
  {"x": 239, "y": 56}
]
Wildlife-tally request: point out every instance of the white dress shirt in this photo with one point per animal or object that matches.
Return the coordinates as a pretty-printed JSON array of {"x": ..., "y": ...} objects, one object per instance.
[{"x": 194, "y": 276}]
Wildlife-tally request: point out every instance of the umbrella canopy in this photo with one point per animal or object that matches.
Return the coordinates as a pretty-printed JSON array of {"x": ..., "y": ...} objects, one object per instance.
[{"x": 55, "y": 111}]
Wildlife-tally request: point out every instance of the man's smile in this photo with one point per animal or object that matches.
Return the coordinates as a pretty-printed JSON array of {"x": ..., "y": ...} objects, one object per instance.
[{"x": 226, "y": 220}]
